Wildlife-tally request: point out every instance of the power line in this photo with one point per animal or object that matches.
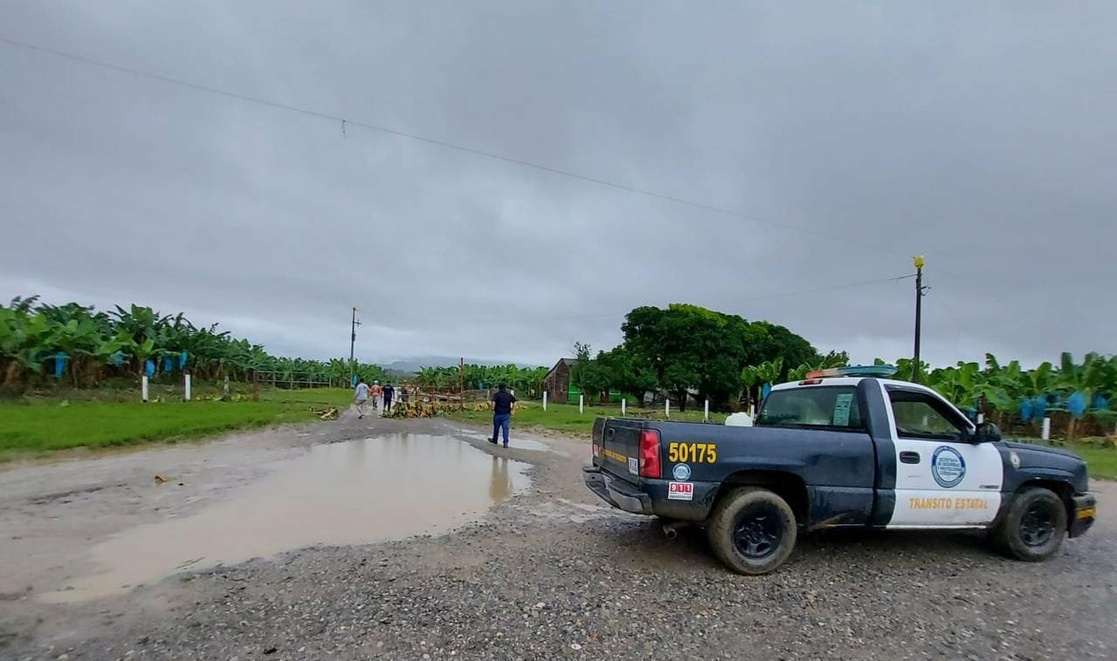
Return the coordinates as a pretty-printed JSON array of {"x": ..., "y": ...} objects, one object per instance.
[{"x": 345, "y": 122}]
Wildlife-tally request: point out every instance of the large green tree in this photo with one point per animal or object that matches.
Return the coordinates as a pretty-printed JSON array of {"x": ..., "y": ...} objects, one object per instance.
[{"x": 689, "y": 347}]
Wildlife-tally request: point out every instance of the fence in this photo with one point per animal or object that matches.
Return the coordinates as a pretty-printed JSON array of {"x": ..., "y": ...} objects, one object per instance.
[{"x": 291, "y": 381}]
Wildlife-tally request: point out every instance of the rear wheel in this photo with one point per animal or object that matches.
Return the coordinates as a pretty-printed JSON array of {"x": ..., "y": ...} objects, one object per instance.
[
  {"x": 1034, "y": 525},
  {"x": 752, "y": 530}
]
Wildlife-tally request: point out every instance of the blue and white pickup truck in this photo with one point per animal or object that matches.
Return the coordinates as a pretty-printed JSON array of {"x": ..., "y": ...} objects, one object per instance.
[{"x": 842, "y": 449}]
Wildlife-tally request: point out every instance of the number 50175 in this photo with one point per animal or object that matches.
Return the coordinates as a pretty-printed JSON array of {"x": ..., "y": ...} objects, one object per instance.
[{"x": 694, "y": 453}]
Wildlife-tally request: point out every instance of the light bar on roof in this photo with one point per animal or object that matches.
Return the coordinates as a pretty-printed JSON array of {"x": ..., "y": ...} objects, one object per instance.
[{"x": 879, "y": 371}]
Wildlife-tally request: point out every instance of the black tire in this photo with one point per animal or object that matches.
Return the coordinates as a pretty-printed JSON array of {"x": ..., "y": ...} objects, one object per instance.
[
  {"x": 752, "y": 531},
  {"x": 1034, "y": 526}
]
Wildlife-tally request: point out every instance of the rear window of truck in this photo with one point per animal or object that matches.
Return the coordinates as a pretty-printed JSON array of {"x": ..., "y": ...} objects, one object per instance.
[{"x": 815, "y": 406}]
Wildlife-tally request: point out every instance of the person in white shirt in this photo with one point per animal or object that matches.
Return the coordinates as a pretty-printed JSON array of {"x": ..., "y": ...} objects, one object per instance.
[{"x": 361, "y": 396}]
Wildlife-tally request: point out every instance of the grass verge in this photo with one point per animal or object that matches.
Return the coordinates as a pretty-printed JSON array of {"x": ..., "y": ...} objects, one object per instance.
[
  {"x": 45, "y": 425},
  {"x": 1101, "y": 461}
]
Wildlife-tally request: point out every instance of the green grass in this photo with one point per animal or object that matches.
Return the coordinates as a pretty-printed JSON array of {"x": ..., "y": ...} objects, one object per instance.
[
  {"x": 1101, "y": 462},
  {"x": 43, "y": 424},
  {"x": 1100, "y": 456},
  {"x": 565, "y": 417}
]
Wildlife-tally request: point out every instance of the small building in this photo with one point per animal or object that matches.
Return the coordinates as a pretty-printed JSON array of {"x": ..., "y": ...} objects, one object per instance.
[{"x": 557, "y": 381}]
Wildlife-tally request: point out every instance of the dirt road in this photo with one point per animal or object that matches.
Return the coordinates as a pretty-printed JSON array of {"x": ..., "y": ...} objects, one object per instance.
[{"x": 508, "y": 570}]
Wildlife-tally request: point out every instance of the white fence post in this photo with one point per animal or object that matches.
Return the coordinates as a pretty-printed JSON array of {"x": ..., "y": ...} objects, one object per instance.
[
  {"x": 143, "y": 386},
  {"x": 187, "y": 377},
  {"x": 544, "y": 400},
  {"x": 623, "y": 402},
  {"x": 667, "y": 408},
  {"x": 706, "y": 415},
  {"x": 1046, "y": 435},
  {"x": 980, "y": 418},
  {"x": 581, "y": 403}
]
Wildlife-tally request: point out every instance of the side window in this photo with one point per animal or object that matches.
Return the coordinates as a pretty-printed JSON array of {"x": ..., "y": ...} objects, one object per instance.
[
  {"x": 920, "y": 416},
  {"x": 817, "y": 406}
]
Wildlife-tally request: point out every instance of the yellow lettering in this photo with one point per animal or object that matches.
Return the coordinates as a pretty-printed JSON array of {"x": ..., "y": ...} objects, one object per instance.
[
  {"x": 699, "y": 453},
  {"x": 946, "y": 503},
  {"x": 615, "y": 456}
]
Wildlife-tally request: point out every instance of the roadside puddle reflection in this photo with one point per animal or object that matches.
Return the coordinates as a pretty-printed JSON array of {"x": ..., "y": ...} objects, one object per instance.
[{"x": 357, "y": 492}]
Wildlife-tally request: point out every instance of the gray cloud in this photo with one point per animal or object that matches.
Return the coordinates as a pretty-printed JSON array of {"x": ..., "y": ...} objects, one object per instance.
[{"x": 855, "y": 136}]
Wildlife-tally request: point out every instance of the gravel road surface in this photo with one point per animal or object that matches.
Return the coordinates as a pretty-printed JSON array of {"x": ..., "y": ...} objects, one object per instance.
[{"x": 547, "y": 573}]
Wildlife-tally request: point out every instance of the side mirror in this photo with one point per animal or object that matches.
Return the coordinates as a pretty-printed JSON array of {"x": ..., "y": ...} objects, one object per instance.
[{"x": 986, "y": 432}]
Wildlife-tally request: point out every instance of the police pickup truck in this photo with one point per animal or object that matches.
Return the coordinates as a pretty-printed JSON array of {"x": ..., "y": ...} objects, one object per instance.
[{"x": 844, "y": 448}]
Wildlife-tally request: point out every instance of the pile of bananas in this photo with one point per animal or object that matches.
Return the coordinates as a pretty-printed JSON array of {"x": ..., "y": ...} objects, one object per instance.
[
  {"x": 418, "y": 409},
  {"x": 329, "y": 413}
]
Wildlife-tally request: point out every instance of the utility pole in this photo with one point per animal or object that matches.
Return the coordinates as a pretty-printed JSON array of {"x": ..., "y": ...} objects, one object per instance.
[
  {"x": 352, "y": 345},
  {"x": 919, "y": 261}
]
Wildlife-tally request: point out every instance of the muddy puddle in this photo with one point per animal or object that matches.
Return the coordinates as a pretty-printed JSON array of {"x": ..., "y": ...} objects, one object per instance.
[
  {"x": 357, "y": 492},
  {"x": 514, "y": 443}
]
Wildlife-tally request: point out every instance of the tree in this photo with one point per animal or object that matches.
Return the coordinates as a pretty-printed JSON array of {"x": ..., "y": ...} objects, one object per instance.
[
  {"x": 770, "y": 341},
  {"x": 689, "y": 347},
  {"x": 626, "y": 373},
  {"x": 582, "y": 360}
]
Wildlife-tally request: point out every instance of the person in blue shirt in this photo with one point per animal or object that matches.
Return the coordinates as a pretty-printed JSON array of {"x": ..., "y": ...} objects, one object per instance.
[{"x": 503, "y": 403}]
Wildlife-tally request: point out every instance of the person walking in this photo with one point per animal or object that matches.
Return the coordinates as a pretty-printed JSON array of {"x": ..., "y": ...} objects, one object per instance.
[
  {"x": 376, "y": 393},
  {"x": 503, "y": 403},
  {"x": 389, "y": 392},
  {"x": 361, "y": 397}
]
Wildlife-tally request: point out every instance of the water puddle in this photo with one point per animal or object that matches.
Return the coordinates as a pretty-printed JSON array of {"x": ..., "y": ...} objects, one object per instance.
[
  {"x": 356, "y": 492},
  {"x": 514, "y": 443}
]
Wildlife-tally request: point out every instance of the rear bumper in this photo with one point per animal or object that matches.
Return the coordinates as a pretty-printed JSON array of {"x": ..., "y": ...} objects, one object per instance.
[
  {"x": 651, "y": 496},
  {"x": 617, "y": 493},
  {"x": 1085, "y": 512}
]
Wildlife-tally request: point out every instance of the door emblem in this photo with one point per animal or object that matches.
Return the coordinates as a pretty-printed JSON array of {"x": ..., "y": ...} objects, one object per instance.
[
  {"x": 947, "y": 467},
  {"x": 1014, "y": 459}
]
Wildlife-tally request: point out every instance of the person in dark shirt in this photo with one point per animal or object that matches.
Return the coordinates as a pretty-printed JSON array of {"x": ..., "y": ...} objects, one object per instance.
[
  {"x": 389, "y": 391},
  {"x": 503, "y": 403}
]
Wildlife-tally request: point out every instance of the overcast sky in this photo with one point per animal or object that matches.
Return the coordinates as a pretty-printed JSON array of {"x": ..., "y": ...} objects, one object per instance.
[{"x": 844, "y": 138}]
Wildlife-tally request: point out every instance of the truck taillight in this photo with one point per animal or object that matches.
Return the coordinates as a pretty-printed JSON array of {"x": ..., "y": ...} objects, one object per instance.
[{"x": 649, "y": 454}]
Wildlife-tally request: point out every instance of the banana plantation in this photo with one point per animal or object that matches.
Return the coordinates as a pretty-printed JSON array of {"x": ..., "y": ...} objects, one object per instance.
[
  {"x": 78, "y": 346},
  {"x": 526, "y": 381},
  {"x": 1077, "y": 396}
]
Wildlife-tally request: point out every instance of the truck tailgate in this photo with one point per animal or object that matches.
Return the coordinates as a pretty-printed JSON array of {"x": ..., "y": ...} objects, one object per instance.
[{"x": 616, "y": 447}]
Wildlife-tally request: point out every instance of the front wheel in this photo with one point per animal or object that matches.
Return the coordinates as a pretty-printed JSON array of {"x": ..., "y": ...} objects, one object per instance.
[
  {"x": 1034, "y": 526},
  {"x": 752, "y": 530}
]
